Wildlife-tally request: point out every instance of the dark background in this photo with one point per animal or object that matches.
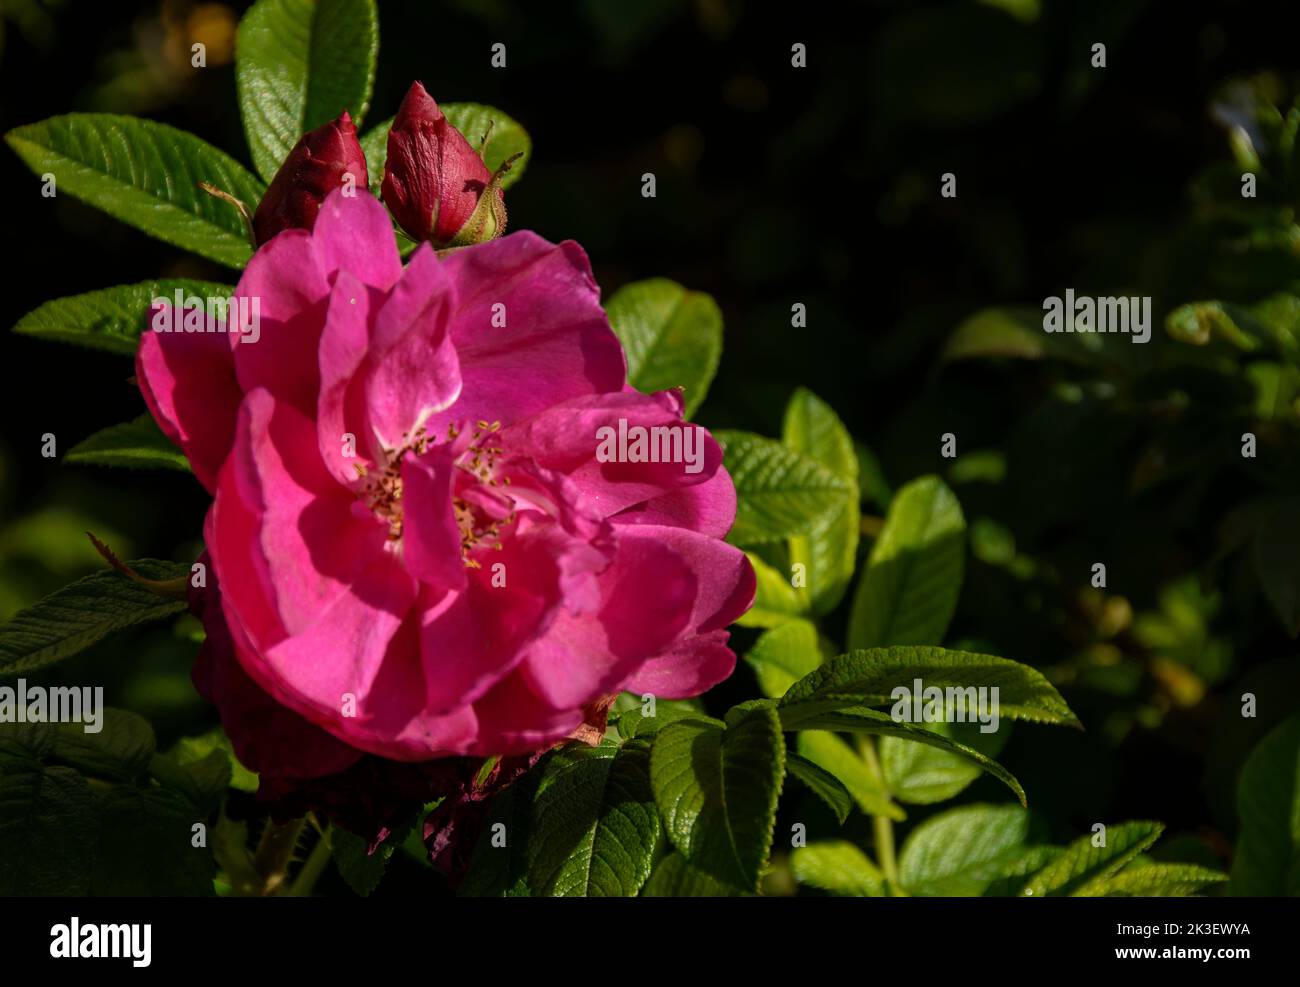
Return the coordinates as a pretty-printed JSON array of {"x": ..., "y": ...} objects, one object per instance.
[{"x": 775, "y": 185}]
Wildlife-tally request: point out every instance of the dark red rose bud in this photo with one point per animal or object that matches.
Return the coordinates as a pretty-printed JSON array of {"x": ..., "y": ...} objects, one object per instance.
[
  {"x": 314, "y": 168},
  {"x": 435, "y": 184}
]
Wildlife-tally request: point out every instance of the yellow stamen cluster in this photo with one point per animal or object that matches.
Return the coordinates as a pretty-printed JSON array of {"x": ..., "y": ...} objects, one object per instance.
[
  {"x": 383, "y": 491},
  {"x": 479, "y": 461}
]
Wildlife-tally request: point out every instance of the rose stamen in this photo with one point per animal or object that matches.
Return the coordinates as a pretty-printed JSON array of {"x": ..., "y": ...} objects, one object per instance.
[{"x": 479, "y": 526}]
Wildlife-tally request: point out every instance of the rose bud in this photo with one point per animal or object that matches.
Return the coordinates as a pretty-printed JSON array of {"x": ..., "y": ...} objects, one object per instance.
[
  {"x": 435, "y": 184},
  {"x": 314, "y": 168}
]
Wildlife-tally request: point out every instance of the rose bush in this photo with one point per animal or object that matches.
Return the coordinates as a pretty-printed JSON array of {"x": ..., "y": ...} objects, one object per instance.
[{"x": 417, "y": 552}]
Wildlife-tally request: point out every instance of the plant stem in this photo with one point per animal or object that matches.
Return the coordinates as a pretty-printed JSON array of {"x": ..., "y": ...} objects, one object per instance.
[
  {"x": 882, "y": 826},
  {"x": 884, "y": 830},
  {"x": 305, "y": 882},
  {"x": 275, "y": 851}
]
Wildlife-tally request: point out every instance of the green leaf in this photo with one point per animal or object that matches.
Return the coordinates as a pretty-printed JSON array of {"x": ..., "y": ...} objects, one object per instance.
[
  {"x": 145, "y": 174},
  {"x": 83, "y": 613},
  {"x": 1277, "y": 562},
  {"x": 473, "y": 120},
  {"x": 909, "y": 589},
  {"x": 959, "y": 853},
  {"x": 717, "y": 791},
  {"x": 783, "y": 655},
  {"x": 839, "y": 867},
  {"x": 499, "y": 866},
  {"x": 298, "y": 65},
  {"x": 995, "y": 332},
  {"x": 1267, "y": 862},
  {"x": 111, "y": 319},
  {"x": 197, "y": 750},
  {"x": 675, "y": 877},
  {"x": 595, "y": 826},
  {"x": 775, "y": 599},
  {"x": 203, "y": 781},
  {"x": 60, "y": 835},
  {"x": 139, "y": 444},
  {"x": 815, "y": 716},
  {"x": 822, "y": 783},
  {"x": 120, "y": 750},
  {"x": 780, "y": 492},
  {"x": 361, "y": 870},
  {"x": 146, "y": 847},
  {"x": 633, "y": 723},
  {"x": 829, "y": 550},
  {"x": 1082, "y": 866},
  {"x": 869, "y": 678},
  {"x": 922, "y": 775},
  {"x": 44, "y": 808},
  {"x": 1155, "y": 881},
  {"x": 1017, "y": 334},
  {"x": 812, "y": 428},
  {"x": 672, "y": 337},
  {"x": 832, "y": 754}
]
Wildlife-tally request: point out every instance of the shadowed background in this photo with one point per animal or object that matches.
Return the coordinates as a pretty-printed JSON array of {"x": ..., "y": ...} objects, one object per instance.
[{"x": 776, "y": 185}]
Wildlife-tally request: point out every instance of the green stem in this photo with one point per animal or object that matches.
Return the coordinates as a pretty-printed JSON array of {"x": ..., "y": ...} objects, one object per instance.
[
  {"x": 884, "y": 830},
  {"x": 882, "y": 826},
  {"x": 305, "y": 882},
  {"x": 275, "y": 851}
]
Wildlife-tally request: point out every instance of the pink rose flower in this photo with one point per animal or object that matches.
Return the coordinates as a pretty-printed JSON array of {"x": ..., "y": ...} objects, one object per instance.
[{"x": 418, "y": 550}]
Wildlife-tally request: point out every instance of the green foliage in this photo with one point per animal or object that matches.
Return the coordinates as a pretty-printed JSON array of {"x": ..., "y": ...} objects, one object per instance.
[
  {"x": 138, "y": 444},
  {"x": 501, "y": 870},
  {"x": 828, "y": 551},
  {"x": 961, "y": 852},
  {"x": 909, "y": 589},
  {"x": 300, "y": 64},
  {"x": 839, "y": 867},
  {"x": 676, "y": 877},
  {"x": 110, "y": 319},
  {"x": 869, "y": 677},
  {"x": 859, "y": 719},
  {"x": 192, "y": 752},
  {"x": 1083, "y": 867},
  {"x": 595, "y": 828},
  {"x": 83, "y": 613},
  {"x": 672, "y": 337},
  {"x": 822, "y": 783},
  {"x": 146, "y": 174},
  {"x": 781, "y": 492},
  {"x": 783, "y": 655},
  {"x": 833, "y": 755},
  {"x": 775, "y": 600},
  {"x": 919, "y": 774},
  {"x": 1268, "y": 808},
  {"x": 717, "y": 789},
  {"x": 105, "y": 823},
  {"x": 361, "y": 869},
  {"x": 1147, "y": 880}
]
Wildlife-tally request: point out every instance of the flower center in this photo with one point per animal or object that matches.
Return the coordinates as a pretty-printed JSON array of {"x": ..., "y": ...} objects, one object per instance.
[{"x": 479, "y": 503}]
